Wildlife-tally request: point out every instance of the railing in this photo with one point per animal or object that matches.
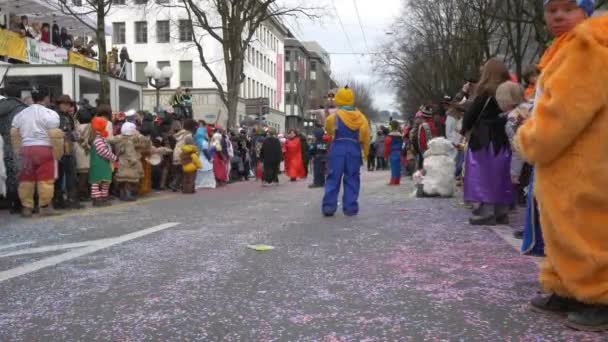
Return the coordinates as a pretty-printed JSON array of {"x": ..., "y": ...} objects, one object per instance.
[{"x": 28, "y": 50}]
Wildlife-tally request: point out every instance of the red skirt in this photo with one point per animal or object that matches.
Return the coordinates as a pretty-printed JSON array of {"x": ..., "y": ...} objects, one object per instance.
[{"x": 220, "y": 167}]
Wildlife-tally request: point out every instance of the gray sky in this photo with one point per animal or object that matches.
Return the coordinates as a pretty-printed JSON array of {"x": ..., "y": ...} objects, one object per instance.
[{"x": 376, "y": 17}]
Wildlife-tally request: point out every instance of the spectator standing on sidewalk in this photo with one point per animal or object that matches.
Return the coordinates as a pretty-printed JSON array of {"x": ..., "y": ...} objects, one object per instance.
[
  {"x": 565, "y": 140},
  {"x": 35, "y": 136},
  {"x": 66, "y": 185},
  {"x": 318, "y": 153},
  {"x": 379, "y": 152},
  {"x": 271, "y": 154}
]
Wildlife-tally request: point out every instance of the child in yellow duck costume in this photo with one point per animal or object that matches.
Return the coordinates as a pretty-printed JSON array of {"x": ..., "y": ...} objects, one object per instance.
[
  {"x": 566, "y": 140},
  {"x": 190, "y": 164}
]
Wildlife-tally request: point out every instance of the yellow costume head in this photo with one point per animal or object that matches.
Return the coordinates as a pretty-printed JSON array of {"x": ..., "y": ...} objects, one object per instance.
[{"x": 344, "y": 97}]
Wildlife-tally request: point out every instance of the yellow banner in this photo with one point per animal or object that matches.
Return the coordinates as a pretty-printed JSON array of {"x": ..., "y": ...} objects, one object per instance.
[
  {"x": 12, "y": 45},
  {"x": 80, "y": 60}
]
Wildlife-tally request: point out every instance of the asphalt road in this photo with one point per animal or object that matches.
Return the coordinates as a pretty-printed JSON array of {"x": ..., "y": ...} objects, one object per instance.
[{"x": 177, "y": 268}]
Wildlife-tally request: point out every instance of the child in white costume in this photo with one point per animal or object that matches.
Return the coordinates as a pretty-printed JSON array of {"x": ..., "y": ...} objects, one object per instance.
[{"x": 437, "y": 178}]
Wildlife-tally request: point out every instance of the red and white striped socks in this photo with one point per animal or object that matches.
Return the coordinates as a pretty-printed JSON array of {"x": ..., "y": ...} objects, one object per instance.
[{"x": 100, "y": 190}]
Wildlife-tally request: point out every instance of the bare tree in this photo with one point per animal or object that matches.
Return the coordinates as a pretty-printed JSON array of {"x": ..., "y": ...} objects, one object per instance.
[
  {"x": 233, "y": 24},
  {"x": 99, "y": 8}
]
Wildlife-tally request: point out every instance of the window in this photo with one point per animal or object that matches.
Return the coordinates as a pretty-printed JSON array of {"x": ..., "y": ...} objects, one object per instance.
[
  {"x": 141, "y": 32},
  {"x": 162, "y": 1},
  {"x": 185, "y": 73},
  {"x": 248, "y": 87},
  {"x": 77, "y": 2},
  {"x": 141, "y": 2},
  {"x": 162, "y": 31},
  {"x": 140, "y": 76},
  {"x": 118, "y": 33},
  {"x": 118, "y": 2},
  {"x": 162, "y": 64},
  {"x": 185, "y": 31}
]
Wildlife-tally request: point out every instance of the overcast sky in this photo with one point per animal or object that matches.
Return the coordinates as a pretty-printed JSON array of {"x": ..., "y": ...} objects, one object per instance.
[{"x": 376, "y": 17}]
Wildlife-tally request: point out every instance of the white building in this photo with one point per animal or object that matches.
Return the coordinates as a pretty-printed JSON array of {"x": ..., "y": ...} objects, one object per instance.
[{"x": 158, "y": 35}]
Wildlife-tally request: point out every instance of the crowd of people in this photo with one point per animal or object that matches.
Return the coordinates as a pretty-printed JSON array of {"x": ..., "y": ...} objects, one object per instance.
[{"x": 61, "y": 153}]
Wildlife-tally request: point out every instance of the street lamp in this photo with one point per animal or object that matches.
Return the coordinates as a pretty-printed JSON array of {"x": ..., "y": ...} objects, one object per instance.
[{"x": 158, "y": 79}]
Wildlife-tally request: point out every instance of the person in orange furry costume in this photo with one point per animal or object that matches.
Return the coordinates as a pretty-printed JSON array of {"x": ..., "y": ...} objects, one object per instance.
[{"x": 566, "y": 141}]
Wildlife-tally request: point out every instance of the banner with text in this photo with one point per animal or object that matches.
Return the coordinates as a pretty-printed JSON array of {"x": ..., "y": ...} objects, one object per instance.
[
  {"x": 80, "y": 60},
  {"x": 43, "y": 53},
  {"x": 12, "y": 45}
]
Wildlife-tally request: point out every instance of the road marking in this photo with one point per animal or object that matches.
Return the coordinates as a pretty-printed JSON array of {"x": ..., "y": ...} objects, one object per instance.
[
  {"x": 11, "y": 245},
  {"x": 53, "y": 248},
  {"x": 86, "y": 247}
]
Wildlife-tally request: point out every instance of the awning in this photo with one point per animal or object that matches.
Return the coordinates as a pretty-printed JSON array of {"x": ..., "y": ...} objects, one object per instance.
[{"x": 50, "y": 11}]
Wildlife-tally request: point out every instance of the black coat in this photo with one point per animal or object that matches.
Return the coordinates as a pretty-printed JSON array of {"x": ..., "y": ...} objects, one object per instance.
[
  {"x": 272, "y": 152},
  {"x": 486, "y": 124}
]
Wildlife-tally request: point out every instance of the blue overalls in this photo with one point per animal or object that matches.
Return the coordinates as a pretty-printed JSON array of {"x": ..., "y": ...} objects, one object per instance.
[
  {"x": 394, "y": 156},
  {"x": 345, "y": 162}
]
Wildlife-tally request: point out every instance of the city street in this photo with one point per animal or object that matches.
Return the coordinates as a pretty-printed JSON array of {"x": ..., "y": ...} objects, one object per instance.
[{"x": 174, "y": 267}]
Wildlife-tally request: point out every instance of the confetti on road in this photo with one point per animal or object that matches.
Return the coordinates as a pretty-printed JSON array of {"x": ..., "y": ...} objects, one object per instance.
[{"x": 260, "y": 248}]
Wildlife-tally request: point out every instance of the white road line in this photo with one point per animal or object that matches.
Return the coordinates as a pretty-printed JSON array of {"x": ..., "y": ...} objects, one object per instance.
[
  {"x": 53, "y": 248},
  {"x": 11, "y": 245},
  {"x": 93, "y": 246}
]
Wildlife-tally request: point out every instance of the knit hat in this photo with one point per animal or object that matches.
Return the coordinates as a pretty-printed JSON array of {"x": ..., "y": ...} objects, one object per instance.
[
  {"x": 128, "y": 129},
  {"x": 586, "y": 5},
  {"x": 344, "y": 97},
  {"x": 99, "y": 124},
  {"x": 426, "y": 111}
]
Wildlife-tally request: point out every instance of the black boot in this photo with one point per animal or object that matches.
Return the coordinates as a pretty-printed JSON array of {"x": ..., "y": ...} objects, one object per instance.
[
  {"x": 555, "y": 304},
  {"x": 590, "y": 318},
  {"x": 74, "y": 200},
  {"x": 122, "y": 190},
  {"x": 489, "y": 220},
  {"x": 58, "y": 200},
  {"x": 518, "y": 234}
]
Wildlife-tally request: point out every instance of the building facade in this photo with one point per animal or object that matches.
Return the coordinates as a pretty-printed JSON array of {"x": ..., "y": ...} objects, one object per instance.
[
  {"x": 307, "y": 81},
  {"x": 161, "y": 35}
]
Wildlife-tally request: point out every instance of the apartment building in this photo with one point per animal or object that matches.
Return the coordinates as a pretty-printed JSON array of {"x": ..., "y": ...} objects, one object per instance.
[{"x": 157, "y": 34}]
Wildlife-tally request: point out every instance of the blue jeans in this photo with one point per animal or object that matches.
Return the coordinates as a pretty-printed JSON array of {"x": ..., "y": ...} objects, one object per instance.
[{"x": 459, "y": 163}]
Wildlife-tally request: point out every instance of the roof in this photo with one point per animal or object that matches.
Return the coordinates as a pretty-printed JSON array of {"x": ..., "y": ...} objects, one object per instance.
[{"x": 52, "y": 11}]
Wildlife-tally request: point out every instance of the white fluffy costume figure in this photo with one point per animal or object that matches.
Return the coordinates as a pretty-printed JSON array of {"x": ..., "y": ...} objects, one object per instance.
[{"x": 439, "y": 166}]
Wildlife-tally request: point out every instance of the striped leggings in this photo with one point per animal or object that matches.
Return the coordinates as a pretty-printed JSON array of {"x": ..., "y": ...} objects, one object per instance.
[{"x": 100, "y": 190}]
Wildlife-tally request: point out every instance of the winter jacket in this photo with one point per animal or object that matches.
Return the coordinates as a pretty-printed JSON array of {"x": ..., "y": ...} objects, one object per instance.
[
  {"x": 514, "y": 120},
  {"x": 380, "y": 145},
  {"x": 271, "y": 151},
  {"x": 180, "y": 139},
  {"x": 82, "y": 147},
  {"x": 128, "y": 150}
]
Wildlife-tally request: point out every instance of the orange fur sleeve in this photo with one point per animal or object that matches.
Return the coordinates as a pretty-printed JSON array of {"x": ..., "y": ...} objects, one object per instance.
[{"x": 573, "y": 89}]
